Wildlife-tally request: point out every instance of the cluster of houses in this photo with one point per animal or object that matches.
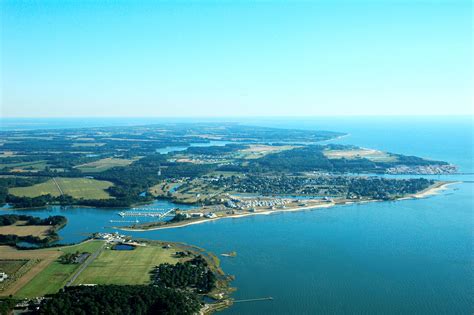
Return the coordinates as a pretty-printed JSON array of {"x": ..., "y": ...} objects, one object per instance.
[
  {"x": 116, "y": 238},
  {"x": 423, "y": 169},
  {"x": 208, "y": 215},
  {"x": 251, "y": 204},
  {"x": 111, "y": 237}
]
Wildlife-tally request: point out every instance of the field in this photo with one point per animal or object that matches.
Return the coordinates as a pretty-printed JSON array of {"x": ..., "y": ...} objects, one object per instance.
[
  {"x": 110, "y": 267},
  {"x": 53, "y": 275},
  {"x": 25, "y": 166},
  {"x": 126, "y": 267},
  {"x": 25, "y": 230},
  {"x": 103, "y": 164},
  {"x": 260, "y": 150},
  {"x": 373, "y": 155},
  {"x": 85, "y": 188},
  {"x": 10, "y": 266},
  {"x": 45, "y": 258}
]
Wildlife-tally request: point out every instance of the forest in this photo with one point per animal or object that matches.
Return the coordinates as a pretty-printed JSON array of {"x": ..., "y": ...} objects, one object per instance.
[{"x": 119, "y": 300}]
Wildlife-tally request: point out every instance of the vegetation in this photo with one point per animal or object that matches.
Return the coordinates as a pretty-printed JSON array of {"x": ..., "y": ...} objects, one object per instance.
[
  {"x": 54, "y": 274},
  {"x": 7, "y": 305},
  {"x": 103, "y": 165},
  {"x": 126, "y": 267},
  {"x": 192, "y": 274},
  {"x": 78, "y": 188},
  {"x": 119, "y": 167},
  {"x": 22, "y": 233},
  {"x": 114, "y": 299}
]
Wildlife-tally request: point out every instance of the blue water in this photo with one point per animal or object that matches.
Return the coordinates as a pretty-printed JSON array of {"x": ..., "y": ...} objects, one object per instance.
[{"x": 411, "y": 257}]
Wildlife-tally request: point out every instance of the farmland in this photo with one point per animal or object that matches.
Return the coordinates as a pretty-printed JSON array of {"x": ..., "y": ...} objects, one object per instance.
[
  {"x": 126, "y": 267},
  {"x": 85, "y": 188},
  {"x": 103, "y": 165},
  {"x": 52, "y": 275},
  {"x": 45, "y": 257},
  {"x": 23, "y": 230},
  {"x": 110, "y": 267}
]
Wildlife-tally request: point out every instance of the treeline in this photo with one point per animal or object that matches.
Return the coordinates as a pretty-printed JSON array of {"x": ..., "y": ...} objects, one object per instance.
[
  {"x": 312, "y": 158},
  {"x": 39, "y": 201},
  {"x": 215, "y": 150},
  {"x": 6, "y": 182},
  {"x": 138, "y": 177},
  {"x": 120, "y": 300},
  {"x": 192, "y": 274},
  {"x": 9, "y": 219},
  {"x": 56, "y": 222}
]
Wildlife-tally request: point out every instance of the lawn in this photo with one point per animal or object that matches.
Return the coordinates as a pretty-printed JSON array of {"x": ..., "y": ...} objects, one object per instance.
[
  {"x": 103, "y": 165},
  {"x": 55, "y": 275},
  {"x": 85, "y": 188},
  {"x": 126, "y": 267}
]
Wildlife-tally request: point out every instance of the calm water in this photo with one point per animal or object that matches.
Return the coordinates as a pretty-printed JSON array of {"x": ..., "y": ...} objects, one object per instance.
[{"x": 412, "y": 256}]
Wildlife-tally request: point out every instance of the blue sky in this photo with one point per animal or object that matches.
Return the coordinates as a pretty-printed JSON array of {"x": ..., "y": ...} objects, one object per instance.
[{"x": 236, "y": 58}]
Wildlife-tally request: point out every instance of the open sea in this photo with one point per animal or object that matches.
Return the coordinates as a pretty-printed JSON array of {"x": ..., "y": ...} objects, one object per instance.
[{"x": 403, "y": 257}]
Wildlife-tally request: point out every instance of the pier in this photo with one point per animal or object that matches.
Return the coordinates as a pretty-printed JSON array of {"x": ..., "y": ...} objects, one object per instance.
[
  {"x": 268, "y": 298},
  {"x": 146, "y": 212}
]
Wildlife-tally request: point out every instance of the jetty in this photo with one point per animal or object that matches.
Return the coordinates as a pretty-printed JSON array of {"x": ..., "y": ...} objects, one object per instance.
[
  {"x": 146, "y": 212},
  {"x": 268, "y": 298}
]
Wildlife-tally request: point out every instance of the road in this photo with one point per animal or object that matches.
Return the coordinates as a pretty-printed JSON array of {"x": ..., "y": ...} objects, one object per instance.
[
  {"x": 85, "y": 264},
  {"x": 57, "y": 185}
]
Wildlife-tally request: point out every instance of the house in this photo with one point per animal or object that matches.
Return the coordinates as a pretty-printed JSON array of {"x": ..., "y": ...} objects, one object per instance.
[{"x": 3, "y": 276}]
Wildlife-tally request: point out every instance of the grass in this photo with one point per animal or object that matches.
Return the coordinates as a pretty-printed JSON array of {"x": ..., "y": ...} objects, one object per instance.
[
  {"x": 85, "y": 188},
  {"x": 126, "y": 267},
  {"x": 370, "y": 154},
  {"x": 45, "y": 258},
  {"x": 260, "y": 150},
  {"x": 25, "y": 230},
  {"x": 103, "y": 165},
  {"x": 22, "y": 166},
  {"x": 110, "y": 267},
  {"x": 11, "y": 266},
  {"x": 85, "y": 144},
  {"x": 55, "y": 275}
]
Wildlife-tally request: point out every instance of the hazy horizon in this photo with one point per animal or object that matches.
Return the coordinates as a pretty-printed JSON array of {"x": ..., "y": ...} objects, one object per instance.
[{"x": 213, "y": 59}]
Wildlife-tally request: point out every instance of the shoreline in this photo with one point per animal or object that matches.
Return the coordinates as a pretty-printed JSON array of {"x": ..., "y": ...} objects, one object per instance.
[{"x": 434, "y": 189}]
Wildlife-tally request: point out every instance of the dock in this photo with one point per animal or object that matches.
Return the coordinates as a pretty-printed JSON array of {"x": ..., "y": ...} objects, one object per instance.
[
  {"x": 146, "y": 212},
  {"x": 268, "y": 298}
]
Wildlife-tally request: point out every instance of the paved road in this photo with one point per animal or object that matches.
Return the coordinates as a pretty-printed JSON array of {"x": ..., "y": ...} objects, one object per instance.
[{"x": 85, "y": 264}]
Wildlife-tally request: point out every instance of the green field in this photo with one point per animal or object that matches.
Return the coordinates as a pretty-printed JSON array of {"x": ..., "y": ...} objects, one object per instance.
[
  {"x": 110, "y": 267},
  {"x": 126, "y": 267},
  {"x": 85, "y": 188},
  {"x": 56, "y": 274},
  {"x": 34, "y": 166},
  {"x": 103, "y": 165}
]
